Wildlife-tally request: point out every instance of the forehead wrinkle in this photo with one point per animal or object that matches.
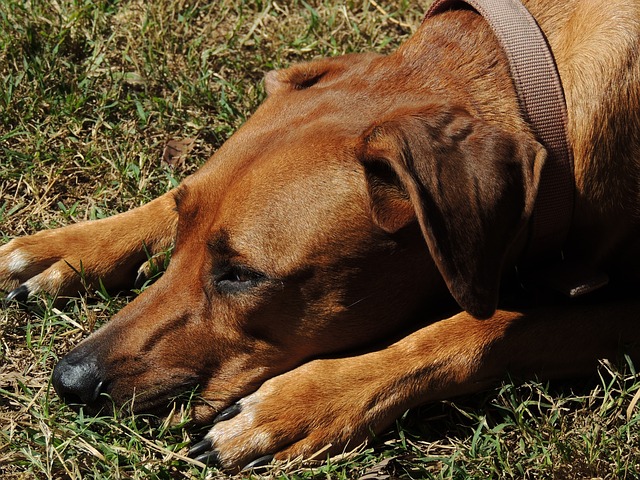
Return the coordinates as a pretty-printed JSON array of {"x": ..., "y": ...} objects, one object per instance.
[
  {"x": 187, "y": 207},
  {"x": 179, "y": 195},
  {"x": 220, "y": 245}
]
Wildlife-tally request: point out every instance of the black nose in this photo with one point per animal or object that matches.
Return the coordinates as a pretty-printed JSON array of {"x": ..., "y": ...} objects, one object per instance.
[{"x": 77, "y": 379}]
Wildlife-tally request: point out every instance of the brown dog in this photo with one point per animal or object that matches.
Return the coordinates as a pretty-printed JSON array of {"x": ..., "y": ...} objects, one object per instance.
[{"x": 300, "y": 239}]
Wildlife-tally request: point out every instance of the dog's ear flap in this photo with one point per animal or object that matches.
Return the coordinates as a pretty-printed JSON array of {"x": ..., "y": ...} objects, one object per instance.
[
  {"x": 299, "y": 76},
  {"x": 308, "y": 74},
  {"x": 471, "y": 187}
]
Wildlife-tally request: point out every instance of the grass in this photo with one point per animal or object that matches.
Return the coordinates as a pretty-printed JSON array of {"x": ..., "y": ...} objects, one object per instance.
[{"x": 91, "y": 94}]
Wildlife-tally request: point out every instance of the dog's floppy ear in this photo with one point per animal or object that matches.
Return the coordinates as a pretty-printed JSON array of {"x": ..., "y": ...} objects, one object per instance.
[
  {"x": 307, "y": 74},
  {"x": 297, "y": 77},
  {"x": 470, "y": 185}
]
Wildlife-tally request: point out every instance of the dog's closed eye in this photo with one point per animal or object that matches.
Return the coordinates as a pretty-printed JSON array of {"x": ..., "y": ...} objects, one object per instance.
[{"x": 232, "y": 279}]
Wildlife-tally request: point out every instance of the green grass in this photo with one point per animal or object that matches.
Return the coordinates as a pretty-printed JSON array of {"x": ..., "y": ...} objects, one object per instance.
[{"x": 91, "y": 92}]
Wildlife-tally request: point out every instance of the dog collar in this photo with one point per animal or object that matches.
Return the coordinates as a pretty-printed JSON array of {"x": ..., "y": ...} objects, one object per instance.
[{"x": 542, "y": 103}]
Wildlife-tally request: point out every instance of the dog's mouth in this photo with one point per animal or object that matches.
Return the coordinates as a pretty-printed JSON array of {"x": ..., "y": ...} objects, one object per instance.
[
  {"x": 182, "y": 402},
  {"x": 84, "y": 386},
  {"x": 160, "y": 400},
  {"x": 105, "y": 396}
]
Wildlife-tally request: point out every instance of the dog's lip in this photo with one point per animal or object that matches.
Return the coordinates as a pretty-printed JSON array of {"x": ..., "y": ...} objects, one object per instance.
[{"x": 155, "y": 399}]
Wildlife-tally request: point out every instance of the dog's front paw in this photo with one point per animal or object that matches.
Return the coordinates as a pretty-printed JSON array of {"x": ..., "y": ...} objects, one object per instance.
[
  {"x": 38, "y": 263},
  {"x": 319, "y": 409},
  {"x": 66, "y": 260},
  {"x": 107, "y": 252}
]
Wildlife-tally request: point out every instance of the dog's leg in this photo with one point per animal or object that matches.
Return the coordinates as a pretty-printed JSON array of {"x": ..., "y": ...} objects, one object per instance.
[
  {"x": 63, "y": 260},
  {"x": 329, "y": 404}
]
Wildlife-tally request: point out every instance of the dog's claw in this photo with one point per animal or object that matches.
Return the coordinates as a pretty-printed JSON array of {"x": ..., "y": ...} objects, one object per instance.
[
  {"x": 211, "y": 458},
  {"x": 19, "y": 294},
  {"x": 199, "y": 448},
  {"x": 228, "y": 413},
  {"x": 258, "y": 462},
  {"x": 141, "y": 278}
]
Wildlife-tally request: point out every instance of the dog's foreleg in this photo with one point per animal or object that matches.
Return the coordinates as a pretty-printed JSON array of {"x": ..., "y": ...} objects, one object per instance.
[
  {"x": 66, "y": 260},
  {"x": 328, "y": 405}
]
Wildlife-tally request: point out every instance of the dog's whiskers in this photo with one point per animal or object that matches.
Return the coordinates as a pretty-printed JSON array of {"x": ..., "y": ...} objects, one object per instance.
[{"x": 358, "y": 301}]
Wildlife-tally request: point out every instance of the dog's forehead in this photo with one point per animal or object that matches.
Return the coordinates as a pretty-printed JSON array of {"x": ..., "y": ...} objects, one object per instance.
[
  {"x": 288, "y": 184},
  {"x": 294, "y": 198},
  {"x": 294, "y": 205}
]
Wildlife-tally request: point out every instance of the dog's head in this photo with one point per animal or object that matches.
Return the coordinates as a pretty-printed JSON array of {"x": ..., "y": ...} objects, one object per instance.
[{"x": 305, "y": 235}]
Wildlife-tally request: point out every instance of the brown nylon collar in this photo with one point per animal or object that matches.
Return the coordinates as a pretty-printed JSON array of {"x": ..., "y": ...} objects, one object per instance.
[{"x": 539, "y": 89}]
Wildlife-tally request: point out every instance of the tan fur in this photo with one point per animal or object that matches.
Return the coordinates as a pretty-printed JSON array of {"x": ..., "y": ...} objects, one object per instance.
[{"x": 364, "y": 192}]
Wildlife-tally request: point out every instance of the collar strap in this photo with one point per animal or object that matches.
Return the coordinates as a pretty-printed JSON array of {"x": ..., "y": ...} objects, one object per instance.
[{"x": 542, "y": 103}]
